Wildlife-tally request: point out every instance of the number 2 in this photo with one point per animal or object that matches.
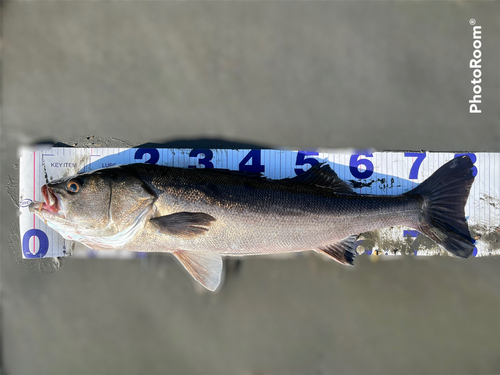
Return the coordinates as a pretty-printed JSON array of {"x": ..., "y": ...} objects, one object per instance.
[{"x": 152, "y": 152}]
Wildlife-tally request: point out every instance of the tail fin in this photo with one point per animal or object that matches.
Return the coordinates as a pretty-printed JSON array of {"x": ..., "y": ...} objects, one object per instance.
[{"x": 442, "y": 215}]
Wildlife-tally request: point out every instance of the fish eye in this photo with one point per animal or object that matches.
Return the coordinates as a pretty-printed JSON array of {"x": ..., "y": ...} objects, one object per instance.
[{"x": 73, "y": 186}]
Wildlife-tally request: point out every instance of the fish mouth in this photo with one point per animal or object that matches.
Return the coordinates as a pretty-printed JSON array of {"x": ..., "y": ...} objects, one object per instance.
[{"x": 51, "y": 201}]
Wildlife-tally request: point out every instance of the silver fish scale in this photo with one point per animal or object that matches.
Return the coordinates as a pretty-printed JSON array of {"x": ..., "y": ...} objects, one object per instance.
[{"x": 259, "y": 216}]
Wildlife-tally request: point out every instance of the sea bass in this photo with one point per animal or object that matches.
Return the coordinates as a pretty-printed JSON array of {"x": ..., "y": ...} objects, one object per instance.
[{"x": 199, "y": 215}]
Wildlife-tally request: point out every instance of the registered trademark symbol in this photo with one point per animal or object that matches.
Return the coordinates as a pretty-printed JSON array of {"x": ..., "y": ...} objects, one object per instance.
[{"x": 472, "y": 21}]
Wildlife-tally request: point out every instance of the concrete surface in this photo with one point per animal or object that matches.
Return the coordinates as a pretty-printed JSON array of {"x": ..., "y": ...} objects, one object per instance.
[{"x": 389, "y": 75}]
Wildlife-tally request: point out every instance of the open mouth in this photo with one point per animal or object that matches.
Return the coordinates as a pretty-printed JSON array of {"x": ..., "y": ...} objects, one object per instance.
[{"x": 51, "y": 203}]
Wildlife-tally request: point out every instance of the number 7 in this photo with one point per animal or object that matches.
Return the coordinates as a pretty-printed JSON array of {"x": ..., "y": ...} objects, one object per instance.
[{"x": 416, "y": 165}]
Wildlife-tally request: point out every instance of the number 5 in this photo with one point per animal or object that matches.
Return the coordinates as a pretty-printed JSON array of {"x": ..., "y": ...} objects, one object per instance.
[{"x": 302, "y": 160}]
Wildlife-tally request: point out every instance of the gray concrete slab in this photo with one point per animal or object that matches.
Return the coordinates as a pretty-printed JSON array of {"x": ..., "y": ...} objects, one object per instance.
[{"x": 389, "y": 75}]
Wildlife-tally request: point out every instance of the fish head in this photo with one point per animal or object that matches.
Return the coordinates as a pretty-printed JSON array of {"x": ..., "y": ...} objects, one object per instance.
[{"x": 95, "y": 206}]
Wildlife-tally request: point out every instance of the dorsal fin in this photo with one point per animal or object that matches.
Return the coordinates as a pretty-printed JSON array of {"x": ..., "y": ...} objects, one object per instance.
[{"x": 323, "y": 176}]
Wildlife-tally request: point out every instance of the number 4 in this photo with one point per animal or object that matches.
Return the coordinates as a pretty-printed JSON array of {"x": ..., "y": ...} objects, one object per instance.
[{"x": 255, "y": 166}]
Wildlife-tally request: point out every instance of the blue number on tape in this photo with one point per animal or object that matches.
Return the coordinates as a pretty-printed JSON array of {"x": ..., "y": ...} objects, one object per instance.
[
  {"x": 42, "y": 238},
  {"x": 355, "y": 163},
  {"x": 153, "y": 153},
  {"x": 416, "y": 164},
  {"x": 413, "y": 234},
  {"x": 473, "y": 158},
  {"x": 410, "y": 233},
  {"x": 255, "y": 165},
  {"x": 302, "y": 160},
  {"x": 205, "y": 160}
]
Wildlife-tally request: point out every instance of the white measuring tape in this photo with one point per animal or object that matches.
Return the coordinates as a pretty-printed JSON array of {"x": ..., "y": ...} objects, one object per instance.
[{"x": 378, "y": 173}]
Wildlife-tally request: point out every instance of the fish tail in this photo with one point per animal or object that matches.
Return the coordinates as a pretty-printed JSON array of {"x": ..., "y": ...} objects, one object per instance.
[{"x": 442, "y": 216}]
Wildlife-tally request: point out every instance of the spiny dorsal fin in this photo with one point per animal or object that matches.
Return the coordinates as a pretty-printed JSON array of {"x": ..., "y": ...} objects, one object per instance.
[
  {"x": 183, "y": 224},
  {"x": 206, "y": 268},
  {"x": 343, "y": 251},
  {"x": 324, "y": 176}
]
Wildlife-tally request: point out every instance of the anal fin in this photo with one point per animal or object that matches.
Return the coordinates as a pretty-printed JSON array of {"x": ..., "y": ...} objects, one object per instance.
[
  {"x": 343, "y": 251},
  {"x": 206, "y": 268}
]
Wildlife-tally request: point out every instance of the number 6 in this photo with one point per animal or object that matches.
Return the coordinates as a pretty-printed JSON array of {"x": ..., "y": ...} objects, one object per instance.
[{"x": 355, "y": 162}]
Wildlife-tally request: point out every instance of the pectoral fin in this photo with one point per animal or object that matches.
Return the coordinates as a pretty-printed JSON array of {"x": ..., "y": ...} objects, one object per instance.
[
  {"x": 206, "y": 268},
  {"x": 342, "y": 251},
  {"x": 183, "y": 224}
]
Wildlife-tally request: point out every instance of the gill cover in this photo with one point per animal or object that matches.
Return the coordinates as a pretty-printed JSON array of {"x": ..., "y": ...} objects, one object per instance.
[{"x": 102, "y": 209}]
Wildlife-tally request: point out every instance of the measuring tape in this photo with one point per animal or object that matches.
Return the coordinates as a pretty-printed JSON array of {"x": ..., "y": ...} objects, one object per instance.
[{"x": 377, "y": 173}]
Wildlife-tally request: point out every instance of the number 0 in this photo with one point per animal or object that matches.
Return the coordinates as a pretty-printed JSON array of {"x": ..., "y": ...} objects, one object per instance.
[{"x": 44, "y": 243}]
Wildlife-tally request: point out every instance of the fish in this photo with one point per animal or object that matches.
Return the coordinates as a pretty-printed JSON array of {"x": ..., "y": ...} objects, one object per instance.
[{"x": 202, "y": 215}]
